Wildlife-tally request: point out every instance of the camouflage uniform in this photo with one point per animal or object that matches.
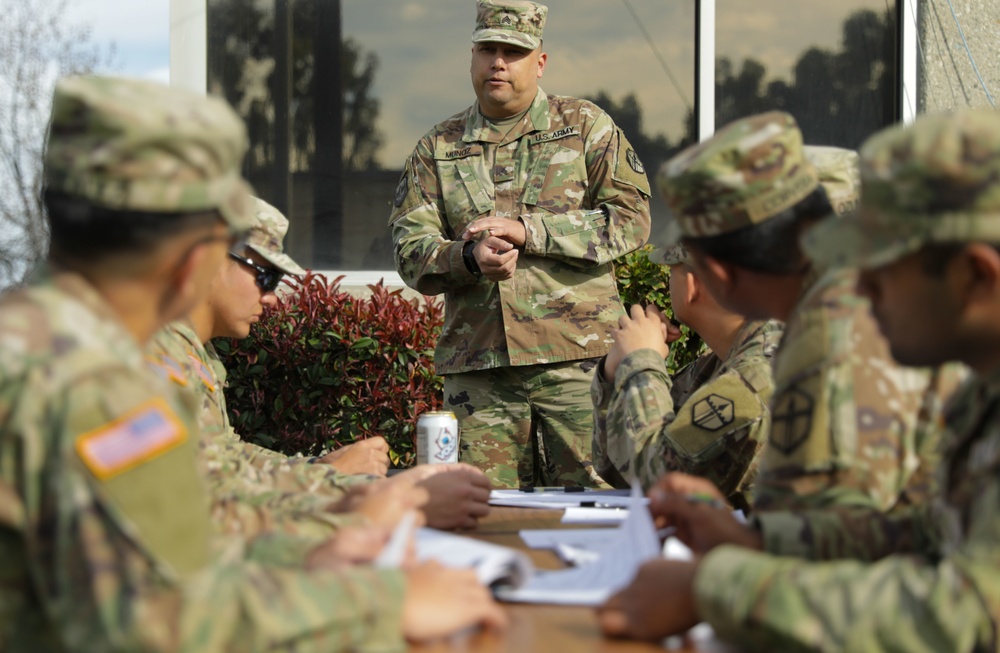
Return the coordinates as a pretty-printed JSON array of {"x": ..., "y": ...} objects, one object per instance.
[
  {"x": 104, "y": 529},
  {"x": 569, "y": 174},
  {"x": 933, "y": 181},
  {"x": 848, "y": 425},
  {"x": 710, "y": 419},
  {"x": 252, "y": 489}
]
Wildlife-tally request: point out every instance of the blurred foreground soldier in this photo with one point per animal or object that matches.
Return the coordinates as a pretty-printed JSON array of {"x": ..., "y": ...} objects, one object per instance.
[
  {"x": 710, "y": 419},
  {"x": 927, "y": 240},
  {"x": 515, "y": 209},
  {"x": 104, "y": 528},
  {"x": 284, "y": 488},
  {"x": 851, "y": 431}
]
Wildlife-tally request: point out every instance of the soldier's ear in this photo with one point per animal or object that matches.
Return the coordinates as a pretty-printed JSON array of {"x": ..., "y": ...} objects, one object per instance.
[
  {"x": 979, "y": 272},
  {"x": 694, "y": 285}
]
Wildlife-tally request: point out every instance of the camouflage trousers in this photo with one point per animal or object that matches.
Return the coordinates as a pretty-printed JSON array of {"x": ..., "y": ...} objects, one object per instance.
[{"x": 527, "y": 425}]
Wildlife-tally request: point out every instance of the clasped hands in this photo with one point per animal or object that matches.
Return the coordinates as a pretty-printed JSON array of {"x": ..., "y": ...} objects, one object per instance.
[{"x": 496, "y": 252}]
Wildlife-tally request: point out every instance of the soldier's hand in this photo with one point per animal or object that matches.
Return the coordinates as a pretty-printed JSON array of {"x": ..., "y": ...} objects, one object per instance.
[
  {"x": 351, "y": 545},
  {"x": 512, "y": 231},
  {"x": 659, "y": 602},
  {"x": 640, "y": 328},
  {"x": 440, "y": 601},
  {"x": 701, "y": 526},
  {"x": 497, "y": 258},
  {"x": 389, "y": 499},
  {"x": 370, "y": 456},
  {"x": 673, "y": 332},
  {"x": 459, "y": 494}
]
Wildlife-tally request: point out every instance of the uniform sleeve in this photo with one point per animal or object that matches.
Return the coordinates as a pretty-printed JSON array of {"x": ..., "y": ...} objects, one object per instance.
[
  {"x": 636, "y": 410},
  {"x": 428, "y": 255},
  {"x": 114, "y": 544},
  {"x": 858, "y": 533},
  {"x": 601, "y": 391},
  {"x": 898, "y": 604},
  {"x": 717, "y": 433},
  {"x": 843, "y": 419},
  {"x": 618, "y": 221}
]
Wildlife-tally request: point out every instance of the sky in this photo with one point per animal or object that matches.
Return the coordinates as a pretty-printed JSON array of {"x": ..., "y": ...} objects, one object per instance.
[{"x": 138, "y": 29}]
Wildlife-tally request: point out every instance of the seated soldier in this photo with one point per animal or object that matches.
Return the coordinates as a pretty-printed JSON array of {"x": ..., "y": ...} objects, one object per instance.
[
  {"x": 104, "y": 528},
  {"x": 927, "y": 239},
  {"x": 852, "y": 433},
  {"x": 241, "y": 472},
  {"x": 711, "y": 418}
]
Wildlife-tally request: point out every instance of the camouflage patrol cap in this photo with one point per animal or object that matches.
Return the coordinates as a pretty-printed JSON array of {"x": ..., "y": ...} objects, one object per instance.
[
  {"x": 937, "y": 180},
  {"x": 673, "y": 255},
  {"x": 749, "y": 171},
  {"x": 266, "y": 235},
  {"x": 127, "y": 144},
  {"x": 837, "y": 169},
  {"x": 516, "y": 22}
]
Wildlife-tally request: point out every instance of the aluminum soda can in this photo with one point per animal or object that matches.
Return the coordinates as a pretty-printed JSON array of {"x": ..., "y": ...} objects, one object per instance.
[{"x": 437, "y": 438}]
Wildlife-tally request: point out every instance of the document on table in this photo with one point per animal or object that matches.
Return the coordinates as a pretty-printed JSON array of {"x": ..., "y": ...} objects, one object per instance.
[
  {"x": 559, "y": 499},
  {"x": 495, "y": 565},
  {"x": 632, "y": 543}
]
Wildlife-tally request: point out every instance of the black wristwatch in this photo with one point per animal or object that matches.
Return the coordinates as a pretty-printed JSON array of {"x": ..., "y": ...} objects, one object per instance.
[{"x": 470, "y": 259}]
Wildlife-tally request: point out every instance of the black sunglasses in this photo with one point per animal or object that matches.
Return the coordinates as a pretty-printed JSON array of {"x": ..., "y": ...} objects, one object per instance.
[{"x": 267, "y": 278}]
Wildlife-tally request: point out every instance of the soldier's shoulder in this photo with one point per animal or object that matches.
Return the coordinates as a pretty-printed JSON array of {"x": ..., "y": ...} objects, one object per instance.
[
  {"x": 449, "y": 129},
  {"x": 573, "y": 110}
]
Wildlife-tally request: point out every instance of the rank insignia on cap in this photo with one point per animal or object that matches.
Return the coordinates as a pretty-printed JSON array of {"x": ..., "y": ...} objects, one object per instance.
[{"x": 138, "y": 436}]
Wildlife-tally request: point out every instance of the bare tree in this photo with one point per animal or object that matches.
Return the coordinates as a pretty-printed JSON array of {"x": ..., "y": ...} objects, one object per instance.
[{"x": 37, "y": 46}]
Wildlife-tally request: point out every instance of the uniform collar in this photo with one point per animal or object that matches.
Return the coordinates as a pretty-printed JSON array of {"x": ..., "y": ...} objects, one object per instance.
[{"x": 478, "y": 129}]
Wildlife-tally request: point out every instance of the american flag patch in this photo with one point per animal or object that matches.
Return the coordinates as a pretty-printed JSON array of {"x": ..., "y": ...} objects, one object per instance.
[
  {"x": 140, "y": 435},
  {"x": 203, "y": 372},
  {"x": 168, "y": 368}
]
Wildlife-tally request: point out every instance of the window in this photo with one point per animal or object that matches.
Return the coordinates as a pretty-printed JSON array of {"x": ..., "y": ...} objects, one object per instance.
[{"x": 360, "y": 81}]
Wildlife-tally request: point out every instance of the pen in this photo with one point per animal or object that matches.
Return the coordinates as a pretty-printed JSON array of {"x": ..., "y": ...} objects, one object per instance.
[
  {"x": 707, "y": 499},
  {"x": 597, "y": 504},
  {"x": 568, "y": 488}
]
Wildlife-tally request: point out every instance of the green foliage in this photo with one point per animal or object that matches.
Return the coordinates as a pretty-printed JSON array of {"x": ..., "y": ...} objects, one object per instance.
[
  {"x": 324, "y": 368},
  {"x": 643, "y": 282}
]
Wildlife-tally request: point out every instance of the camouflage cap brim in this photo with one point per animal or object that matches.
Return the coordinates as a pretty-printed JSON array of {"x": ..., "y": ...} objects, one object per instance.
[
  {"x": 675, "y": 254},
  {"x": 519, "y": 39},
  {"x": 283, "y": 262},
  {"x": 874, "y": 238}
]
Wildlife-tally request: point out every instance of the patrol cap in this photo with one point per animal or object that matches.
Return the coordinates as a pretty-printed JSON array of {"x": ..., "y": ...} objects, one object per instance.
[
  {"x": 672, "y": 255},
  {"x": 516, "y": 22},
  {"x": 128, "y": 144},
  {"x": 837, "y": 169},
  {"x": 936, "y": 180},
  {"x": 749, "y": 171},
  {"x": 267, "y": 232}
]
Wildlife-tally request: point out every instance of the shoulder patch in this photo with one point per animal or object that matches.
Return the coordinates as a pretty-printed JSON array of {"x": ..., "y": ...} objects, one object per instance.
[
  {"x": 628, "y": 168},
  {"x": 723, "y": 406},
  {"x": 401, "y": 189},
  {"x": 791, "y": 420},
  {"x": 140, "y": 435},
  {"x": 202, "y": 371},
  {"x": 167, "y": 368}
]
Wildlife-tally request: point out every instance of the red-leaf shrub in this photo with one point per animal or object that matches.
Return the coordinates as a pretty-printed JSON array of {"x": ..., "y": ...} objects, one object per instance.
[{"x": 324, "y": 368}]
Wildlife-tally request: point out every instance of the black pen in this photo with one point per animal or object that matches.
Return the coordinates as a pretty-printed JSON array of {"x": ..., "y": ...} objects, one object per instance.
[{"x": 568, "y": 488}]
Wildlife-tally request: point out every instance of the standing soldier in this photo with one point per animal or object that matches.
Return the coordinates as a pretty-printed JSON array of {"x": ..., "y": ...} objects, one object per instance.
[
  {"x": 515, "y": 209},
  {"x": 104, "y": 526},
  {"x": 926, "y": 239}
]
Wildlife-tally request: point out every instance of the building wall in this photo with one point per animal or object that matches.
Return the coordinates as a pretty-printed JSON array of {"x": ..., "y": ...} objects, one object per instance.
[{"x": 947, "y": 79}]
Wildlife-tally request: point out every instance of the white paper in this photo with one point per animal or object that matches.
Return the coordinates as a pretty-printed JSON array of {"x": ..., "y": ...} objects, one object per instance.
[
  {"x": 595, "y": 516},
  {"x": 592, "y": 539},
  {"x": 394, "y": 551},
  {"x": 493, "y": 564},
  {"x": 556, "y": 500},
  {"x": 634, "y": 543}
]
